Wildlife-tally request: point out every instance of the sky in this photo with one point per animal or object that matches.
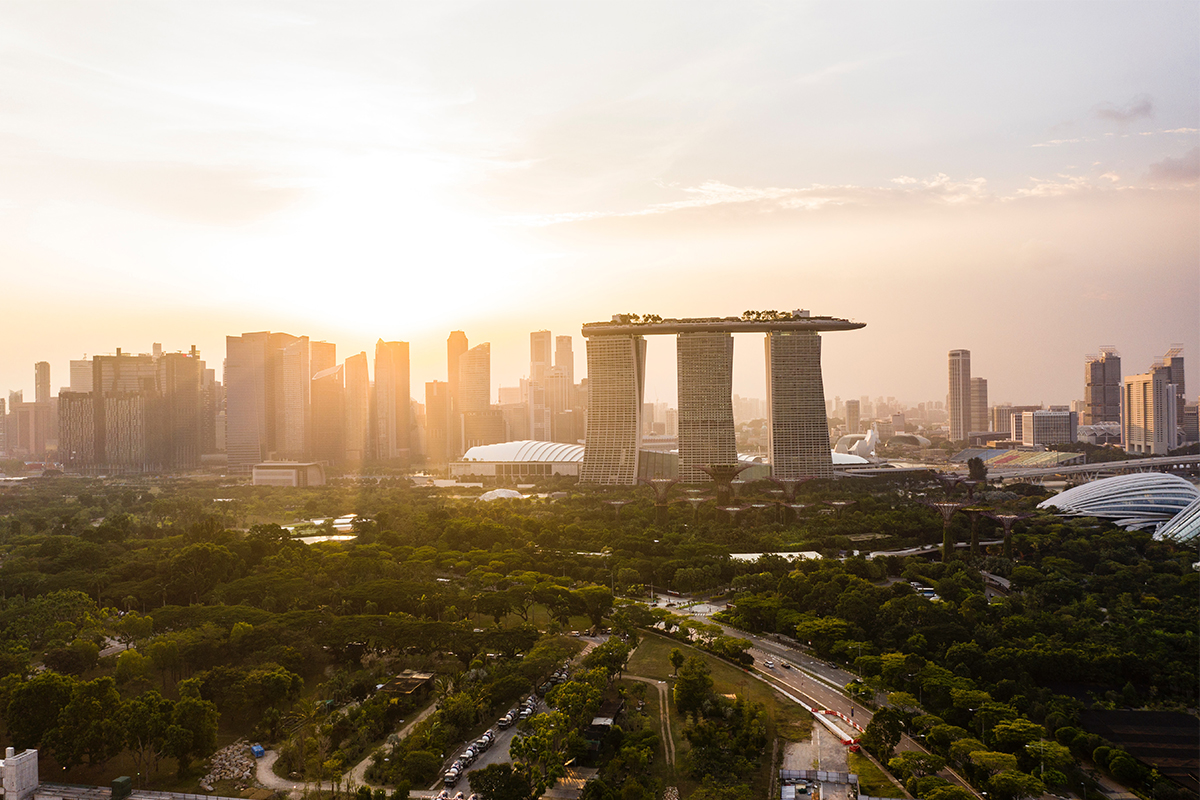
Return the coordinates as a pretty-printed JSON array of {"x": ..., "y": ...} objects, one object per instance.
[{"x": 1016, "y": 179}]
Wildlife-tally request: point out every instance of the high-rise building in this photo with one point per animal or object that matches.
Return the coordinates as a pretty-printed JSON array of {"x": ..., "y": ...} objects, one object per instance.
[
  {"x": 540, "y": 413},
  {"x": 291, "y": 362},
  {"x": 564, "y": 357},
  {"x": 481, "y": 423},
  {"x": 1149, "y": 425},
  {"x": 323, "y": 355},
  {"x": 979, "y": 405},
  {"x": 329, "y": 415},
  {"x": 797, "y": 429},
  {"x": 1173, "y": 361},
  {"x": 41, "y": 382},
  {"x": 1102, "y": 387},
  {"x": 456, "y": 346},
  {"x": 960, "y": 395},
  {"x": 1049, "y": 427},
  {"x": 392, "y": 401},
  {"x": 81, "y": 375},
  {"x": 616, "y": 383},
  {"x": 437, "y": 423},
  {"x": 247, "y": 402},
  {"x": 704, "y": 370},
  {"x": 852, "y": 416},
  {"x": 358, "y": 409},
  {"x": 145, "y": 413}
]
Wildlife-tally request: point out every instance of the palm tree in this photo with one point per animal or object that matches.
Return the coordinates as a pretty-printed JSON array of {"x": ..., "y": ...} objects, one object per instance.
[{"x": 302, "y": 721}]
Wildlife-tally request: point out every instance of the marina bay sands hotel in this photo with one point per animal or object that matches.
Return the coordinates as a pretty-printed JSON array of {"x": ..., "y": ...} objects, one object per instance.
[{"x": 798, "y": 433}]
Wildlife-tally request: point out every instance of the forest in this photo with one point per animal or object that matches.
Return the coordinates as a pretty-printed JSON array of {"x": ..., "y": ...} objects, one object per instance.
[{"x": 150, "y": 621}]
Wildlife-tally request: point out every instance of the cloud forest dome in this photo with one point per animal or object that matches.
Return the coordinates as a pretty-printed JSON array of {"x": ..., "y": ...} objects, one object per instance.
[
  {"x": 1135, "y": 501},
  {"x": 1184, "y": 527}
]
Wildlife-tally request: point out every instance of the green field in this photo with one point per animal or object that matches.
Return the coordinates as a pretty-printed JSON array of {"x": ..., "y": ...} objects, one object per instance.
[
  {"x": 871, "y": 780},
  {"x": 786, "y": 719}
]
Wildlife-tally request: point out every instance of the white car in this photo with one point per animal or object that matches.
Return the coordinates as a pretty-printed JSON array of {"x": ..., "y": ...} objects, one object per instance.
[{"x": 770, "y": 664}]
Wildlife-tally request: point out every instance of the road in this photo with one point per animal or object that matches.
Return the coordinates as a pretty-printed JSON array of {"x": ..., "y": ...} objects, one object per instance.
[{"x": 814, "y": 682}]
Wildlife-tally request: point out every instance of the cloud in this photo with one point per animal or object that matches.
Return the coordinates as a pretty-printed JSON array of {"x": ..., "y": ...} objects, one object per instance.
[
  {"x": 1185, "y": 169},
  {"x": 1137, "y": 108},
  {"x": 1057, "y": 142},
  {"x": 939, "y": 189}
]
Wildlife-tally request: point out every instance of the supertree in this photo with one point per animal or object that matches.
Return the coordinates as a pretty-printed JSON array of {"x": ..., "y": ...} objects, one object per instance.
[
  {"x": 661, "y": 487},
  {"x": 947, "y": 509},
  {"x": 1008, "y": 520},
  {"x": 723, "y": 475}
]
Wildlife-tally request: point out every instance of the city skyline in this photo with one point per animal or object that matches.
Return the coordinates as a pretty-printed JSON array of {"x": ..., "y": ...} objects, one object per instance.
[{"x": 1019, "y": 181}]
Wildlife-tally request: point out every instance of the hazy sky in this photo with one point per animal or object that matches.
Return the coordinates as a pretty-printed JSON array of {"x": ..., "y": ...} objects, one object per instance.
[{"x": 1018, "y": 179}]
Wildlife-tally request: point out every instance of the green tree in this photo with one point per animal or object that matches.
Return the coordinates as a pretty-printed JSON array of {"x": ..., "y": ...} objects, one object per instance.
[
  {"x": 915, "y": 764},
  {"x": 500, "y": 782},
  {"x": 1013, "y": 785},
  {"x": 883, "y": 733},
  {"x": 677, "y": 658},
  {"x": 693, "y": 686},
  {"x": 145, "y": 720},
  {"x": 34, "y": 708},
  {"x": 89, "y": 727}
]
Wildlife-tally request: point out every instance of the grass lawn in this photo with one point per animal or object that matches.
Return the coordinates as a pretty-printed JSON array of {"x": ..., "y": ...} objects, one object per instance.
[
  {"x": 871, "y": 780},
  {"x": 660, "y": 770},
  {"x": 786, "y": 720}
]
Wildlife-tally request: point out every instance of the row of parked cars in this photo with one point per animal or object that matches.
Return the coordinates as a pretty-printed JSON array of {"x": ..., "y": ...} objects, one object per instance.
[
  {"x": 444, "y": 794},
  {"x": 522, "y": 711},
  {"x": 473, "y": 751}
]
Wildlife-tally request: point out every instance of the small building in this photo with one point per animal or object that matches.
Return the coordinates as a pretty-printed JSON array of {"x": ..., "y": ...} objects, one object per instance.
[
  {"x": 407, "y": 684},
  {"x": 288, "y": 473}
]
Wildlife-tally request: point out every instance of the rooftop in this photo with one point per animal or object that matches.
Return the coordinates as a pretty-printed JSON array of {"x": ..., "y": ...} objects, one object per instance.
[{"x": 750, "y": 322}]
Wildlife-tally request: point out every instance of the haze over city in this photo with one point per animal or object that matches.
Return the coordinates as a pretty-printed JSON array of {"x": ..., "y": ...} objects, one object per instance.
[{"x": 1016, "y": 179}]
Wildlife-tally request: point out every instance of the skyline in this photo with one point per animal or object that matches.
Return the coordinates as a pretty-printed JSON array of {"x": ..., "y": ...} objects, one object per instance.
[{"x": 1018, "y": 181}]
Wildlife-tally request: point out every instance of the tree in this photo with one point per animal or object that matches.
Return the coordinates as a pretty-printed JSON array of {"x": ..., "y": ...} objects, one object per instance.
[
  {"x": 883, "y": 732},
  {"x": 992, "y": 762},
  {"x": 35, "y": 705},
  {"x": 597, "y": 601},
  {"x": 193, "y": 730},
  {"x": 1014, "y": 734},
  {"x": 693, "y": 686},
  {"x": 915, "y": 764},
  {"x": 89, "y": 727},
  {"x": 1014, "y": 785},
  {"x": 500, "y": 782},
  {"x": 145, "y": 719},
  {"x": 976, "y": 469},
  {"x": 677, "y": 658}
]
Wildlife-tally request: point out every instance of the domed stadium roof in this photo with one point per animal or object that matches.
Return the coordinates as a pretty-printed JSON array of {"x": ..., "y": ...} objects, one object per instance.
[
  {"x": 1142, "y": 500},
  {"x": 527, "y": 451},
  {"x": 1184, "y": 527},
  {"x": 500, "y": 494}
]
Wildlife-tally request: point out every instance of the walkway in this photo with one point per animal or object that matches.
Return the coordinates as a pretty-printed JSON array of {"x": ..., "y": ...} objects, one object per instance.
[
  {"x": 664, "y": 715},
  {"x": 266, "y": 776}
]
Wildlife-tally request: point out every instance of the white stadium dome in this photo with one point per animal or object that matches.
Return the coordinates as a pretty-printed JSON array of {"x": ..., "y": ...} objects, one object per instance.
[
  {"x": 1184, "y": 527},
  {"x": 1141, "y": 500},
  {"x": 525, "y": 450}
]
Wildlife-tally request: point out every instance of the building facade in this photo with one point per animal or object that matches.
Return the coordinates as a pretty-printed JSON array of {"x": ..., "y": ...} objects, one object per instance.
[
  {"x": 979, "y": 405},
  {"x": 1102, "y": 387},
  {"x": 616, "y": 383},
  {"x": 392, "y": 401},
  {"x": 797, "y": 428},
  {"x": 704, "y": 372},
  {"x": 959, "y": 395},
  {"x": 1149, "y": 424}
]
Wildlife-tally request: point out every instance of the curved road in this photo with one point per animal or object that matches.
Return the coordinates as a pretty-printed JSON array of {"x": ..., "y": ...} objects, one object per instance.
[{"x": 820, "y": 684}]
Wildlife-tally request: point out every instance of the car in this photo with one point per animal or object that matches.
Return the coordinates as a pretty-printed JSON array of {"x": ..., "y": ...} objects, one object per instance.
[
  {"x": 769, "y": 664},
  {"x": 785, "y": 665}
]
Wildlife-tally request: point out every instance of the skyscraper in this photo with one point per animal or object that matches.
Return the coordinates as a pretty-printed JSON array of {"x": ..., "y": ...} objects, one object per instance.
[
  {"x": 437, "y": 422},
  {"x": 392, "y": 400},
  {"x": 979, "y": 405},
  {"x": 329, "y": 415},
  {"x": 540, "y": 414},
  {"x": 797, "y": 428},
  {"x": 704, "y": 371},
  {"x": 358, "y": 409},
  {"x": 852, "y": 416},
  {"x": 960, "y": 395},
  {"x": 1149, "y": 425},
  {"x": 564, "y": 357},
  {"x": 1173, "y": 361},
  {"x": 481, "y": 424},
  {"x": 1102, "y": 387},
  {"x": 456, "y": 345},
  {"x": 616, "y": 385},
  {"x": 41, "y": 382},
  {"x": 246, "y": 401}
]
